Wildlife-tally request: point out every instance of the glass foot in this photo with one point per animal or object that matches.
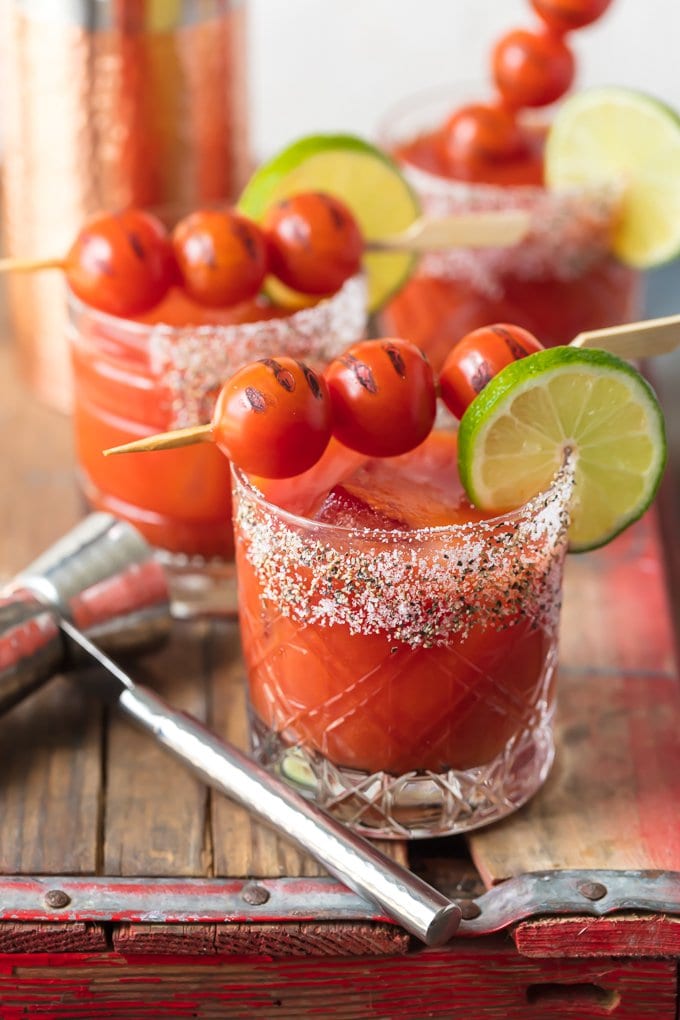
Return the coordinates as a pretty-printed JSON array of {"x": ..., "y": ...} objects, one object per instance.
[
  {"x": 200, "y": 588},
  {"x": 416, "y": 805}
]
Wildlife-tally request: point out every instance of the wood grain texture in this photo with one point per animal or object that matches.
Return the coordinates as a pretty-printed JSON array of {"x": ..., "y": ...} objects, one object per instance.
[
  {"x": 608, "y": 802},
  {"x": 473, "y": 981},
  {"x": 258, "y": 939},
  {"x": 50, "y": 764},
  {"x": 52, "y": 937},
  {"x": 635, "y": 935},
  {"x": 40, "y": 499},
  {"x": 156, "y": 810},
  {"x": 615, "y": 613}
]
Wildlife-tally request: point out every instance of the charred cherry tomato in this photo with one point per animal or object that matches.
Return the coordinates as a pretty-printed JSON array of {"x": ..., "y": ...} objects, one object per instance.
[
  {"x": 566, "y": 15},
  {"x": 532, "y": 68},
  {"x": 383, "y": 397},
  {"x": 478, "y": 135},
  {"x": 314, "y": 242},
  {"x": 221, "y": 255},
  {"x": 477, "y": 358},
  {"x": 273, "y": 417},
  {"x": 121, "y": 263}
]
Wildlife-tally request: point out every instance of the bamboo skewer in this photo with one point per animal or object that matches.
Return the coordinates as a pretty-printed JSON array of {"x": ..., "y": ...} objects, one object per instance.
[
  {"x": 166, "y": 440},
  {"x": 15, "y": 265},
  {"x": 477, "y": 230},
  {"x": 492, "y": 229},
  {"x": 645, "y": 339}
]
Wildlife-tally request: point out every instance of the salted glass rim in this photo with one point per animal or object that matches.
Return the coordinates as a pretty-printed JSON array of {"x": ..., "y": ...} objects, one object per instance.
[
  {"x": 426, "y": 100},
  {"x": 142, "y": 330},
  {"x": 563, "y": 477}
]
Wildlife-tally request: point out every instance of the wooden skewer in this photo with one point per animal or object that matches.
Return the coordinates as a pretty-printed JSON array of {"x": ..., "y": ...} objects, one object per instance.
[
  {"x": 474, "y": 230},
  {"x": 645, "y": 339},
  {"x": 493, "y": 229},
  {"x": 166, "y": 440},
  {"x": 12, "y": 265}
]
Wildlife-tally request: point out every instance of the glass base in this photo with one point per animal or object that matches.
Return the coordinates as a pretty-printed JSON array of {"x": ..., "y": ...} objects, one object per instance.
[
  {"x": 200, "y": 588},
  {"x": 415, "y": 805}
]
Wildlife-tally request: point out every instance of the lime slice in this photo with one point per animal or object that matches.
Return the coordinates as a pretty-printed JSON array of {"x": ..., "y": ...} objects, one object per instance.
[
  {"x": 366, "y": 179},
  {"x": 514, "y": 436},
  {"x": 623, "y": 138}
]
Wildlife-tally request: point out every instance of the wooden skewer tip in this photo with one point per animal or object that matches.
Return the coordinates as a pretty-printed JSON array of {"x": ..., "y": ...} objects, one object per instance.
[{"x": 165, "y": 441}]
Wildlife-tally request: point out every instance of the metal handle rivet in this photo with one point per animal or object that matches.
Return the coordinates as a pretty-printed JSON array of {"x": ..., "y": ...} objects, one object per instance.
[
  {"x": 254, "y": 894},
  {"x": 592, "y": 890},
  {"x": 57, "y": 898},
  {"x": 469, "y": 909}
]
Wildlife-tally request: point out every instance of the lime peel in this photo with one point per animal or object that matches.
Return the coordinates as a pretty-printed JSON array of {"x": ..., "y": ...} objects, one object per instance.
[
  {"x": 627, "y": 139},
  {"x": 504, "y": 460},
  {"x": 365, "y": 178}
]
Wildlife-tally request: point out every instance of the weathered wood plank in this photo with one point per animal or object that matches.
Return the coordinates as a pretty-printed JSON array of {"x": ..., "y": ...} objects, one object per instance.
[
  {"x": 480, "y": 980},
  {"x": 303, "y": 938},
  {"x": 156, "y": 810},
  {"x": 50, "y": 765},
  {"x": 615, "y": 614},
  {"x": 609, "y": 801},
  {"x": 40, "y": 500},
  {"x": 52, "y": 937},
  {"x": 621, "y": 935}
]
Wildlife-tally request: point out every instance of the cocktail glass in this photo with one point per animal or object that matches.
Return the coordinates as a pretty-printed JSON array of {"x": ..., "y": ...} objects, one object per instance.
[
  {"x": 404, "y": 679},
  {"x": 135, "y": 378},
  {"x": 559, "y": 281}
]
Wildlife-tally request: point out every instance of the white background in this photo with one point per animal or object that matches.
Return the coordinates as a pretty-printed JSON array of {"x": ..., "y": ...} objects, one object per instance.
[{"x": 337, "y": 65}]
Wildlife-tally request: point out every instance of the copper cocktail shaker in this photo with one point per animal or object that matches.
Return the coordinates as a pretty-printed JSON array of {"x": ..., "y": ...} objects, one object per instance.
[{"x": 108, "y": 103}]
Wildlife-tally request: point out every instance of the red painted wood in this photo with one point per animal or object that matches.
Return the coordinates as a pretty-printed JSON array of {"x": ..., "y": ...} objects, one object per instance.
[
  {"x": 616, "y": 615},
  {"x": 260, "y": 939},
  {"x": 52, "y": 937},
  {"x": 470, "y": 981},
  {"x": 622, "y": 935}
]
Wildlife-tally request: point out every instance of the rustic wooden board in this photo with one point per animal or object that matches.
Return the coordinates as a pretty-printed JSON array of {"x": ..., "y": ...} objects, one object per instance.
[
  {"x": 615, "y": 613},
  {"x": 623, "y": 935},
  {"x": 608, "y": 801},
  {"x": 156, "y": 820},
  {"x": 304, "y": 938},
  {"x": 51, "y": 769},
  {"x": 472, "y": 980},
  {"x": 39, "y": 500}
]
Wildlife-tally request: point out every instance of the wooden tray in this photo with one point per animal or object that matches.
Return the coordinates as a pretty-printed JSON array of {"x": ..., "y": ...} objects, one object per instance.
[{"x": 94, "y": 813}]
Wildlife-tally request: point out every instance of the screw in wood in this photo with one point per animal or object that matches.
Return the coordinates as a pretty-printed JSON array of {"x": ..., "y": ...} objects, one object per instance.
[
  {"x": 57, "y": 898},
  {"x": 254, "y": 894}
]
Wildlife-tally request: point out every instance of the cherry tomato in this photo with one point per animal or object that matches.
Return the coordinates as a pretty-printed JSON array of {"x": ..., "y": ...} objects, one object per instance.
[
  {"x": 566, "y": 15},
  {"x": 222, "y": 256},
  {"x": 478, "y": 135},
  {"x": 315, "y": 243},
  {"x": 383, "y": 397},
  {"x": 121, "y": 263},
  {"x": 477, "y": 358},
  {"x": 532, "y": 68},
  {"x": 273, "y": 417}
]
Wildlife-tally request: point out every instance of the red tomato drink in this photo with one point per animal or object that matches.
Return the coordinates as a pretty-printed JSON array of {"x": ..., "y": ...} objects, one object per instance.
[
  {"x": 559, "y": 281},
  {"x": 163, "y": 370},
  {"x": 400, "y": 644}
]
